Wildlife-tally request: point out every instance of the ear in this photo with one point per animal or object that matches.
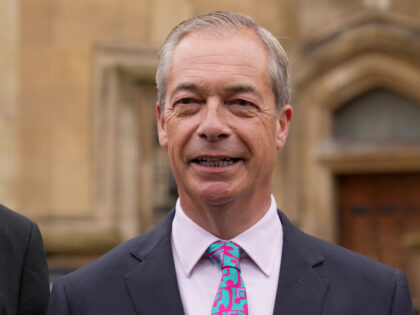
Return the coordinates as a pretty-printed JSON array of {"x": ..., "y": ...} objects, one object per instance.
[
  {"x": 283, "y": 123},
  {"x": 163, "y": 135}
]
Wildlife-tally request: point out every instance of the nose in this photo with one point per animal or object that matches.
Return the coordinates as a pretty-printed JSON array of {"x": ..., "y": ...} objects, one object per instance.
[{"x": 213, "y": 125}]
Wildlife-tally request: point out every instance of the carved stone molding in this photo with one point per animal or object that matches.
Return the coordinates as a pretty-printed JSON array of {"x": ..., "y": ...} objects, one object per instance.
[{"x": 122, "y": 140}]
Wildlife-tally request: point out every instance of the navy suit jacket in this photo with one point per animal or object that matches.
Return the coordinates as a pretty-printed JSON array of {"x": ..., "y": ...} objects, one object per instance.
[
  {"x": 316, "y": 277},
  {"x": 24, "y": 284}
]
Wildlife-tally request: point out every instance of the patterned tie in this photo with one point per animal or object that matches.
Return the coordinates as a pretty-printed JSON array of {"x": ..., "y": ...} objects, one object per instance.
[{"x": 231, "y": 296}]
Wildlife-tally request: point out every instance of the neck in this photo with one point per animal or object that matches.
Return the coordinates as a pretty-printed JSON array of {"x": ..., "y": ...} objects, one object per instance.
[{"x": 229, "y": 219}]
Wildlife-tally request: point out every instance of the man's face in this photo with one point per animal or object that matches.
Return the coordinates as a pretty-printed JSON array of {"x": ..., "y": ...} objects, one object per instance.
[{"x": 220, "y": 124}]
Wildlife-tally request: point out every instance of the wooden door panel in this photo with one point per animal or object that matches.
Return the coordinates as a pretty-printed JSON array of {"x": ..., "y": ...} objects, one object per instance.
[
  {"x": 356, "y": 208},
  {"x": 377, "y": 213}
]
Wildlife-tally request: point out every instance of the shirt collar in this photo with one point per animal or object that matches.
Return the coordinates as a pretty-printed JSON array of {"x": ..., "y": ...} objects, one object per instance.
[
  {"x": 189, "y": 239},
  {"x": 262, "y": 242}
]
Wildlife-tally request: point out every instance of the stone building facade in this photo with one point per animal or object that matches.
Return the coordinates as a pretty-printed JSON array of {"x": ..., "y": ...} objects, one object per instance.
[{"x": 78, "y": 146}]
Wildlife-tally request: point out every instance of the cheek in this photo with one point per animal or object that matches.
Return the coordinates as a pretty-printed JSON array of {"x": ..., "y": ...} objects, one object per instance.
[
  {"x": 262, "y": 140},
  {"x": 260, "y": 131},
  {"x": 179, "y": 129},
  {"x": 179, "y": 132}
]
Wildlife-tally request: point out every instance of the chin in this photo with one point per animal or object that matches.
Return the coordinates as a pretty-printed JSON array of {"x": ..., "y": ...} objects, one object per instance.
[{"x": 217, "y": 196}]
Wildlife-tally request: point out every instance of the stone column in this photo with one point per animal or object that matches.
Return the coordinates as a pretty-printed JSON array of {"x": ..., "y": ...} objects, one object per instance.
[{"x": 8, "y": 101}]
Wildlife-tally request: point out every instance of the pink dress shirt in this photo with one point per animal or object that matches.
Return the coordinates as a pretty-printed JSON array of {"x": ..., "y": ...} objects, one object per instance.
[{"x": 198, "y": 278}]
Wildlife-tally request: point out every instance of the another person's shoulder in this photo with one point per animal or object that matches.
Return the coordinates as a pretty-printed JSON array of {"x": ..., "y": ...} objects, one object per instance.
[
  {"x": 14, "y": 226},
  {"x": 24, "y": 272},
  {"x": 10, "y": 218}
]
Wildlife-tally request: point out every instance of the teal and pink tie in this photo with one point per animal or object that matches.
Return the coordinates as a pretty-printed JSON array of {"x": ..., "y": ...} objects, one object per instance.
[{"x": 231, "y": 296}]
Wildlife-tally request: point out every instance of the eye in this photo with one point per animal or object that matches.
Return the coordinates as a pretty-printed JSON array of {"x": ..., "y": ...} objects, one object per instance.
[
  {"x": 186, "y": 101},
  {"x": 241, "y": 102},
  {"x": 187, "y": 106},
  {"x": 242, "y": 107}
]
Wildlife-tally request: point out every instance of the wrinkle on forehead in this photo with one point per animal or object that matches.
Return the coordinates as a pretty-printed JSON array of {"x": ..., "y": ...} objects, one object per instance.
[
  {"x": 219, "y": 62},
  {"x": 242, "y": 36},
  {"x": 231, "y": 57}
]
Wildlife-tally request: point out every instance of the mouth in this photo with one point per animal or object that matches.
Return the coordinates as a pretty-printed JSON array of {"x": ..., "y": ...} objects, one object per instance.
[{"x": 215, "y": 162}]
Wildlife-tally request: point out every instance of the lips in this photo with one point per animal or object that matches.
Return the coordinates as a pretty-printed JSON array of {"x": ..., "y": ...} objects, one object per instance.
[{"x": 215, "y": 162}]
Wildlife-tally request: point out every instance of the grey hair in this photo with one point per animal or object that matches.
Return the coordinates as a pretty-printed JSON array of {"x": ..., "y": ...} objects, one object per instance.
[{"x": 220, "y": 22}]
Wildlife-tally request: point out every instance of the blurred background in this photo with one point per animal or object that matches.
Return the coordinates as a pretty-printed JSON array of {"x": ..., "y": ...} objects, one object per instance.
[{"x": 78, "y": 148}]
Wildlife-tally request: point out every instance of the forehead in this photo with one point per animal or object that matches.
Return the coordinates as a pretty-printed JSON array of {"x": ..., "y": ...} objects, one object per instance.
[{"x": 238, "y": 53}]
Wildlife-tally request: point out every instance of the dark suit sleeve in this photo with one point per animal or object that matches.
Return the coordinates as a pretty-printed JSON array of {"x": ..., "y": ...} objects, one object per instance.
[
  {"x": 58, "y": 302},
  {"x": 401, "y": 302},
  {"x": 34, "y": 290}
]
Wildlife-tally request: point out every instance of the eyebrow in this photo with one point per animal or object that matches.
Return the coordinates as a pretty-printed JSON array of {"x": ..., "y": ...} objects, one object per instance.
[
  {"x": 186, "y": 87},
  {"x": 244, "y": 88},
  {"x": 241, "y": 89},
  {"x": 233, "y": 89}
]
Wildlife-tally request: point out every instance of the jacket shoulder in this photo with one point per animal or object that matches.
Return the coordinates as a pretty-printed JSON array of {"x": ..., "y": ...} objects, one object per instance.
[
  {"x": 15, "y": 230},
  {"x": 355, "y": 282},
  {"x": 10, "y": 220},
  {"x": 114, "y": 264},
  {"x": 315, "y": 250},
  {"x": 340, "y": 262}
]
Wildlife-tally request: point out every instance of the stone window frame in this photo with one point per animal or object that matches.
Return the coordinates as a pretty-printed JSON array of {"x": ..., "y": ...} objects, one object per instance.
[{"x": 121, "y": 159}]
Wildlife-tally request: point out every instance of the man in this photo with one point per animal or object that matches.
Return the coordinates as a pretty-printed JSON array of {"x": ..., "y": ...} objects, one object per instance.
[
  {"x": 24, "y": 285},
  {"x": 223, "y": 89}
]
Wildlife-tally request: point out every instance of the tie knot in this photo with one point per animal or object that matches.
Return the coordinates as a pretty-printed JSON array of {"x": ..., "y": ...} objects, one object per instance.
[{"x": 224, "y": 254}]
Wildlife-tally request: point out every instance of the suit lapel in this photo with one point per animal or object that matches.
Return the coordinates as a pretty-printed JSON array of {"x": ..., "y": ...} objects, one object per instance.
[
  {"x": 153, "y": 287},
  {"x": 152, "y": 284},
  {"x": 301, "y": 289}
]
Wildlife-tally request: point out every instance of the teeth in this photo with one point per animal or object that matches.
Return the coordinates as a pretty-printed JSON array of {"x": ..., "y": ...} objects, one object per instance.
[{"x": 215, "y": 162}]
